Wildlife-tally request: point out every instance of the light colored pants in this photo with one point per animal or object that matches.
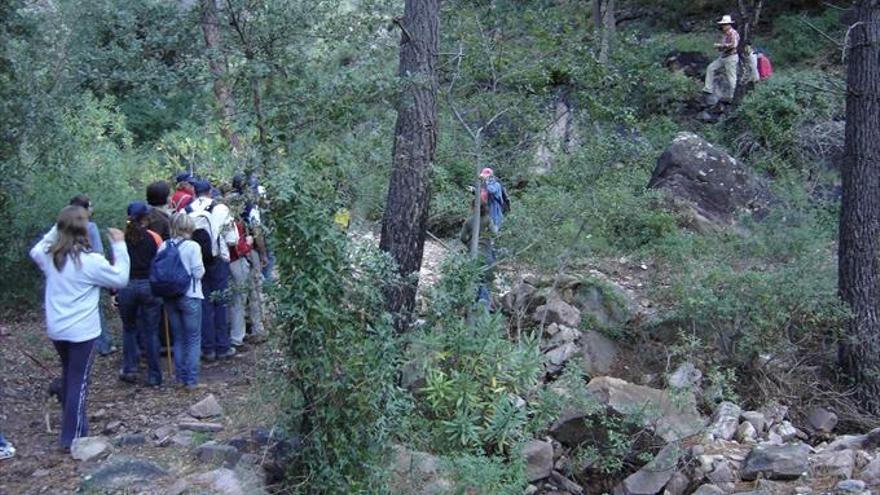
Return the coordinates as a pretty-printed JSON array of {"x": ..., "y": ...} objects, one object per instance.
[
  {"x": 245, "y": 293},
  {"x": 728, "y": 66}
]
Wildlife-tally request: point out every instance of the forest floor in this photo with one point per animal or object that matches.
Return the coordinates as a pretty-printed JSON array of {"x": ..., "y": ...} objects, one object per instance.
[{"x": 115, "y": 409}]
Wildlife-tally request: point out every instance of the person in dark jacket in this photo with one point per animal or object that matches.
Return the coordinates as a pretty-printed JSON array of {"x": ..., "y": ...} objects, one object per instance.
[
  {"x": 159, "y": 217},
  {"x": 138, "y": 307}
]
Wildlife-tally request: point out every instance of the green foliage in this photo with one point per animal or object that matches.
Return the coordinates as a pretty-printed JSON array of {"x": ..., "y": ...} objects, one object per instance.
[
  {"x": 794, "y": 42},
  {"x": 770, "y": 117},
  {"x": 475, "y": 375},
  {"x": 343, "y": 353}
]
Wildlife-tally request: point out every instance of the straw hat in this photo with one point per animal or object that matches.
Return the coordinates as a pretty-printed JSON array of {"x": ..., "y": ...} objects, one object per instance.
[{"x": 726, "y": 20}]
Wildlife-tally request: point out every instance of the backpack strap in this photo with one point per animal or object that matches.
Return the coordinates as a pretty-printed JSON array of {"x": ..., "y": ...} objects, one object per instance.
[{"x": 156, "y": 237}]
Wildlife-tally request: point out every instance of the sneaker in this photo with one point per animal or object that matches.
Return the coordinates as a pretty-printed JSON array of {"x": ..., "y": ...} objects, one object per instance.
[
  {"x": 128, "y": 377},
  {"x": 109, "y": 351},
  {"x": 6, "y": 450},
  {"x": 228, "y": 354}
]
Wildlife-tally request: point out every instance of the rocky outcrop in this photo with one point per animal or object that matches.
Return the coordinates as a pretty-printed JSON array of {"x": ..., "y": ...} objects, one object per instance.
[
  {"x": 707, "y": 182},
  {"x": 777, "y": 462}
]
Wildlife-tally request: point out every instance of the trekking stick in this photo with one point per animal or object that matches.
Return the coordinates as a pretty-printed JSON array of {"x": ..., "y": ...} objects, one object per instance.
[{"x": 167, "y": 343}]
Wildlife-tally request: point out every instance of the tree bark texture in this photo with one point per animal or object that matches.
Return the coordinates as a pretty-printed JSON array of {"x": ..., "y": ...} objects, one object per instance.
[
  {"x": 217, "y": 65},
  {"x": 749, "y": 17},
  {"x": 609, "y": 28},
  {"x": 415, "y": 141},
  {"x": 858, "y": 277}
]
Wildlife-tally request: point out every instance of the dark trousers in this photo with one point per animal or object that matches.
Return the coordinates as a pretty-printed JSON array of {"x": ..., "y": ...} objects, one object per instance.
[
  {"x": 215, "y": 322},
  {"x": 76, "y": 365},
  {"x": 140, "y": 311}
]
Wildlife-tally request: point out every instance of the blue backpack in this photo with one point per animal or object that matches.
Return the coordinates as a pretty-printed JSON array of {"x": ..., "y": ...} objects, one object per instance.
[{"x": 168, "y": 276}]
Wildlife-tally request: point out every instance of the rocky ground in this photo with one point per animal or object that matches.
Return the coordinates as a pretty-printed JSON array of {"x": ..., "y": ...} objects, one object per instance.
[{"x": 144, "y": 440}]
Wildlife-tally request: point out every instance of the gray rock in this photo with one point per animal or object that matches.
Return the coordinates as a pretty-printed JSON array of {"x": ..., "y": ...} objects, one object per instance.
[
  {"x": 715, "y": 184},
  {"x": 774, "y": 413},
  {"x": 200, "y": 426},
  {"x": 206, "y": 408},
  {"x": 560, "y": 355},
  {"x": 163, "y": 432},
  {"x": 724, "y": 472},
  {"x": 565, "y": 335},
  {"x": 777, "y": 462},
  {"x": 756, "y": 419},
  {"x": 871, "y": 473},
  {"x": 131, "y": 439},
  {"x": 851, "y": 486},
  {"x": 822, "y": 420},
  {"x": 678, "y": 484},
  {"x": 182, "y": 438},
  {"x": 531, "y": 490},
  {"x": 833, "y": 464},
  {"x": 112, "y": 427},
  {"x": 685, "y": 376},
  {"x": 86, "y": 448},
  {"x": 652, "y": 477},
  {"x": 222, "y": 481},
  {"x": 417, "y": 473},
  {"x": 558, "y": 311},
  {"x": 599, "y": 353},
  {"x": 786, "y": 430},
  {"x": 672, "y": 418},
  {"x": 123, "y": 474},
  {"x": 746, "y": 433},
  {"x": 725, "y": 421},
  {"x": 539, "y": 460},
  {"x": 708, "y": 490},
  {"x": 566, "y": 484},
  {"x": 216, "y": 453},
  {"x": 602, "y": 303},
  {"x": 867, "y": 441}
]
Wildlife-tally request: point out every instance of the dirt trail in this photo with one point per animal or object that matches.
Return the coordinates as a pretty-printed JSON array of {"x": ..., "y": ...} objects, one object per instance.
[{"x": 115, "y": 408}]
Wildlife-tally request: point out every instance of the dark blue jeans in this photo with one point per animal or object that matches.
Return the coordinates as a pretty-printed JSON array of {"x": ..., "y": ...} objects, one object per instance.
[
  {"x": 76, "y": 365},
  {"x": 140, "y": 311},
  {"x": 215, "y": 322},
  {"x": 185, "y": 318}
]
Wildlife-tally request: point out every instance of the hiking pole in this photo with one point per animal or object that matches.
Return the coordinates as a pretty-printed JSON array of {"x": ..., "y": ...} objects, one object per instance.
[{"x": 167, "y": 343}]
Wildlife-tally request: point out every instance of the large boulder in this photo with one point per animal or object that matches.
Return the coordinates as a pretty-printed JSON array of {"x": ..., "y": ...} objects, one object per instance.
[
  {"x": 670, "y": 417},
  {"x": 777, "y": 462},
  {"x": 833, "y": 464},
  {"x": 706, "y": 179},
  {"x": 558, "y": 311}
]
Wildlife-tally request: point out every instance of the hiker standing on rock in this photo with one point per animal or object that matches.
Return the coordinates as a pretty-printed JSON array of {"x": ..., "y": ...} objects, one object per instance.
[
  {"x": 726, "y": 61},
  {"x": 74, "y": 276}
]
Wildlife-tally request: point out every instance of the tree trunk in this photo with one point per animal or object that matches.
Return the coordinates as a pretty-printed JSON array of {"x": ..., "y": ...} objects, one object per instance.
[
  {"x": 609, "y": 27},
  {"x": 859, "y": 280},
  {"x": 597, "y": 19},
  {"x": 218, "y": 67},
  {"x": 415, "y": 140},
  {"x": 749, "y": 18}
]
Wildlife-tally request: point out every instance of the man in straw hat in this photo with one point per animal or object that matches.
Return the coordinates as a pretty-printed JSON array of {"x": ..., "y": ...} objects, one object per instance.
[{"x": 727, "y": 59}]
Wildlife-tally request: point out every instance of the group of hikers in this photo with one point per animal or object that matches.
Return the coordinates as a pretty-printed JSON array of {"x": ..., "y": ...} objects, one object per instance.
[
  {"x": 186, "y": 272},
  {"x": 758, "y": 66}
]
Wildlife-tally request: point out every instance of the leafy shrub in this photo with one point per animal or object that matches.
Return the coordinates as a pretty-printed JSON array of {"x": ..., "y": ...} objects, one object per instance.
[
  {"x": 343, "y": 353},
  {"x": 793, "y": 42}
]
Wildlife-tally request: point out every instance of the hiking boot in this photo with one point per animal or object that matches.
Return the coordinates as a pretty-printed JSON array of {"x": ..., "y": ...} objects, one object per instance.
[
  {"x": 209, "y": 357},
  {"x": 109, "y": 351},
  {"x": 228, "y": 354},
  {"x": 6, "y": 450},
  {"x": 128, "y": 377}
]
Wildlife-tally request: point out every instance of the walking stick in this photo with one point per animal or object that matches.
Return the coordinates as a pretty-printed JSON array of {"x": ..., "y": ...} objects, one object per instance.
[{"x": 167, "y": 343}]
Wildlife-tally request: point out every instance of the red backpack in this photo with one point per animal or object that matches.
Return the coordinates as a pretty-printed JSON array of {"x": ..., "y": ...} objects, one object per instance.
[{"x": 765, "y": 68}]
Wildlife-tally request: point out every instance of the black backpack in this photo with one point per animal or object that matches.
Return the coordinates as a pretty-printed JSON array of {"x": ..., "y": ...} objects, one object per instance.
[{"x": 202, "y": 234}]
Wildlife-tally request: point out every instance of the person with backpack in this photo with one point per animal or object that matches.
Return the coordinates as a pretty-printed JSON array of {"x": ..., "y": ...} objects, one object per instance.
[
  {"x": 245, "y": 267},
  {"x": 494, "y": 195},
  {"x": 216, "y": 234},
  {"x": 176, "y": 276},
  {"x": 105, "y": 341},
  {"x": 139, "y": 308},
  {"x": 727, "y": 59},
  {"x": 185, "y": 193},
  {"x": 74, "y": 276}
]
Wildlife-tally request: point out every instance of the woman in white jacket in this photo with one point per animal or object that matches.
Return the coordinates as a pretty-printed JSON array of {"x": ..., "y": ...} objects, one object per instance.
[{"x": 74, "y": 276}]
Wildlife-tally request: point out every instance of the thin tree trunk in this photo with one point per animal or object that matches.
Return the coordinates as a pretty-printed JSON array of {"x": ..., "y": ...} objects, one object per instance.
[
  {"x": 859, "y": 280},
  {"x": 609, "y": 28},
  {"x": 415, "y": 140},
  {"x": 749, "y": 18},
  {"x": 478, "y": 201},
  {"x": 597, "y": 18},
  {"x": 218, "y": 67}
]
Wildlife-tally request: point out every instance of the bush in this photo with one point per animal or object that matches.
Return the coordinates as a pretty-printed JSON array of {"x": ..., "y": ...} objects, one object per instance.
[
  {"x": 343, "y": 354},
  {"x": 793, "y": 42}
]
